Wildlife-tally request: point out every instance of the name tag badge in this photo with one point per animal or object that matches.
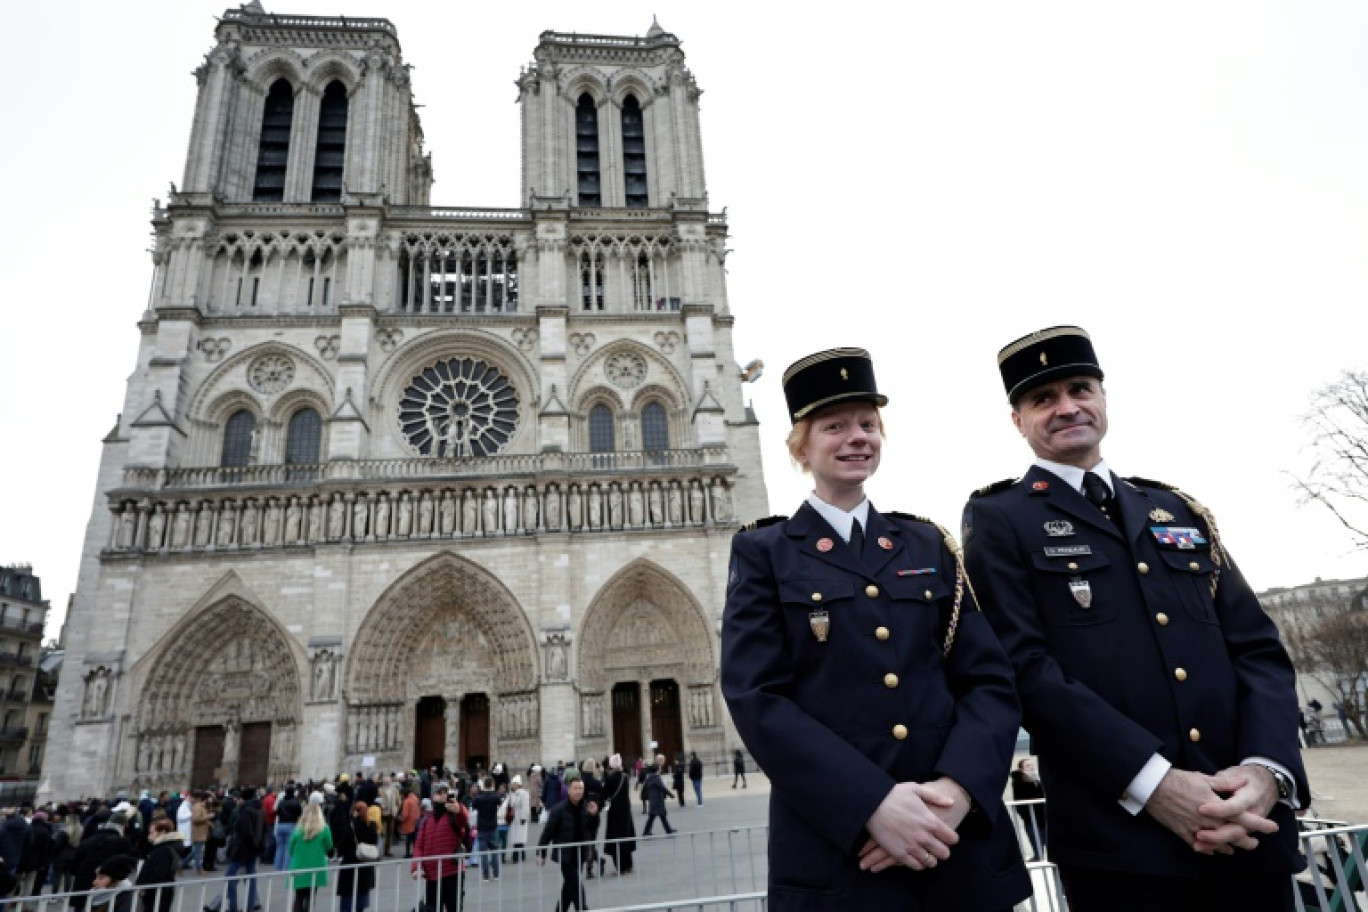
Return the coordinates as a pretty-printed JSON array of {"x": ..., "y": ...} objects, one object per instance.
[
  {"x": 1068, "y": 551},
  {"x": 1082, "y": 591}
]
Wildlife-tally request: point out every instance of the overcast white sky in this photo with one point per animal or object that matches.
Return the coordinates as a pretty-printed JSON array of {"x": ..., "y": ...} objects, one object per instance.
[{"x": 1189, "y": 180}]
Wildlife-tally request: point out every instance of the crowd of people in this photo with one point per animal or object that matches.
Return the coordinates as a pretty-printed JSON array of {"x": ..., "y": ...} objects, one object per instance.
[{"x": 112, "y": 853}]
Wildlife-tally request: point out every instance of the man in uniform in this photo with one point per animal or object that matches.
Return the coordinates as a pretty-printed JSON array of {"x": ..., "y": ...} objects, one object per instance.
[{"x": 1155, "y": 688}]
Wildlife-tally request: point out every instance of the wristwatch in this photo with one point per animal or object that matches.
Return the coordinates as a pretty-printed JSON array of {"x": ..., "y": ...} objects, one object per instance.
[{"x": 1284, "y": 784}]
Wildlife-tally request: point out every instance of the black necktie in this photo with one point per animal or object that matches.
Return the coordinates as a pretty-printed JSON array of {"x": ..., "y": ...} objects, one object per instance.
[
  {"x": 856, "y": 538},
  {"x": 1097, "y": 492}
]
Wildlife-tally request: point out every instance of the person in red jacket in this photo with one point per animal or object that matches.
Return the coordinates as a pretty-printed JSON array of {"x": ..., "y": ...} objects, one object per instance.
[{"x": 440, "y": 842}]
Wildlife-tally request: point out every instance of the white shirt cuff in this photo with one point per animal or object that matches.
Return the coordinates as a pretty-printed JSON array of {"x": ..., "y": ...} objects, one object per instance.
[
  {"x": 1292, "y": 799},
  {"x": 1144, "y": 784}
]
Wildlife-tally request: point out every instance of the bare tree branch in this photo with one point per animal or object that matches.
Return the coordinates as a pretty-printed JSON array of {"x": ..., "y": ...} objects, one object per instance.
[{"x": 1338, "y": 476}]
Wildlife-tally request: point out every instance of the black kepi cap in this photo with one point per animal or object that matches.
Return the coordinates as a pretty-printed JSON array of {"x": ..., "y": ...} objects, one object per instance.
[
  {"x": 828, "y": 377},
  {"x": 1044, "y": 356}
]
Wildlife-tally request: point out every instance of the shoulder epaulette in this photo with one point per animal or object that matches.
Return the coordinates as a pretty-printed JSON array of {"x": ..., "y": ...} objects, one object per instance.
[
  {"x": 994, "y": 487},
  {"x": 912, "y": 516},
  {"x": 1218, "y": 555},
  {"x": 761, "y": 523},
  {"x": 961, "y": 575}
]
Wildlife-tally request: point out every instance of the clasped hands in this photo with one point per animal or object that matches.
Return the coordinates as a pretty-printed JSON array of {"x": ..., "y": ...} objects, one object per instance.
[
  {"x": 915, "y": 825},
  {"x": 1217, "y": 814}
]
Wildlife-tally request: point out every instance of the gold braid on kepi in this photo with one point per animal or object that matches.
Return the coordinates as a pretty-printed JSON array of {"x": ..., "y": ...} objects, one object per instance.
[
  {"x": 961, "y": 577},
  {"x": 1218, "y": 555}
]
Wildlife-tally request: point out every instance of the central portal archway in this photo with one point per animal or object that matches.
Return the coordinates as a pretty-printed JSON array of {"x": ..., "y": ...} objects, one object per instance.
[{"x": 444, "y": 653}]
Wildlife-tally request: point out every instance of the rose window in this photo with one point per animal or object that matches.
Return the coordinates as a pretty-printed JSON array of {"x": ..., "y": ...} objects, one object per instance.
[
  {"x": 459, "y": 409},
  {"x": 270, "y": 373}
]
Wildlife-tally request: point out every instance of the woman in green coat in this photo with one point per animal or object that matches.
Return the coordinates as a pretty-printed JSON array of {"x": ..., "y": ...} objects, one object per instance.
[{"x": 310, "y": 844}]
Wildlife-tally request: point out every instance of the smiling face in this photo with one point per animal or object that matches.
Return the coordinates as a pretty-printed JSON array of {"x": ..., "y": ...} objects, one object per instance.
[
  {"x": 841, "y": 450},
  {"x": 1064, "y": 421}
]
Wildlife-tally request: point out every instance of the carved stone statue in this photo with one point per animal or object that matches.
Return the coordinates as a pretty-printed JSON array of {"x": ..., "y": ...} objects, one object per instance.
[
  {"x": 425, "y": 514},
  {"x": 250, "y": 521},
  {"x": 315, "y": 520},
  {"x": 656, "y": 506},
  {"x": 636, "y": 507},
  {"x": 576, "y": 508},
  {"x": 405, "y": 526},
  {"x": 337, "y": 517},
  {"x": 615, "y": 518},
  {"x": 491, "y": 512},
  {"x": 204, "y": 523},
  {"x": 556, "y": 661},
  {"x": 530, "y": 509},
  {"x": 97, "y": 694},
  {"x": 696, "y": 503},
  {"x": 553, "y": 508},
  {"x": 128, "y": 524},
  {"x": 292, "y": 519},
  {"x": 156, "y": 529},
  {"x": 382, "y": 517},
  {"x": 360, "y": 517},
  {"x": 448, "y": 515},
  {"x": 510, "y": 511},
  {"x": 470, "y": 512},
  {"x": 721, "y": 502},
  {"x": 270, "y": 532},
  {"x": 324, "y": 675},
  {"x": 180, "y": 527},
  {"x": 227, "y": 526},
  {"x": 595, "y": 508}
]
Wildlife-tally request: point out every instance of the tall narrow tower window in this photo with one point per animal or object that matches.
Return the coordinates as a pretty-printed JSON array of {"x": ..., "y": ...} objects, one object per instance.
[
  {"x": 301, "y": 441},
  {"x": 655, "y": 428},
  {"x": 237, "y": 438},
  {"x": 274, "y": 149},
  {"x": 601, "y": 430},
  {"x": 332, "y": 144},
  {"x": 634, "y": 153},
  {"x": 587, "y": 152}
]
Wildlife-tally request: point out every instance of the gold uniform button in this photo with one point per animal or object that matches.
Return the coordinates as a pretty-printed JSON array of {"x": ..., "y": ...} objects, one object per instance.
[
  {"x": 927, "y": 595},
  {"x": 1162, "y": 619},
  {"x": 1194, "y": 735},
  {"x": 900, "y": 732},
  {"x": 881, "y": 633},
  {"x": 890, "y": 680},
  {"x": 1194, "y": 566},
  {"x": 872, "y": 591},
  {"x": 816, "y": 596},
  {"x": 1142, "y": 567},
  {"x": 1073, "y": 566},
  {"x": 1180, "y": 674}
]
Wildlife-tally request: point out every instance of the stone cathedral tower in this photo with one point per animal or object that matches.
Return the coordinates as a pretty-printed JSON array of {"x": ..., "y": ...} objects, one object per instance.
[{"x": 397, "y": 483}]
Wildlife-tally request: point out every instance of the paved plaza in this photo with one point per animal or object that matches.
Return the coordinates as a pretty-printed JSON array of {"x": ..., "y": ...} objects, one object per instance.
[{"x": 718, "y": 850}]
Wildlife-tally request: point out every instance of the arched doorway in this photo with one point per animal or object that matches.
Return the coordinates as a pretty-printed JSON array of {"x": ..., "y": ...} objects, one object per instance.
[
  {"x": 429, "y": 741},
  {"x": 449, "y": 652},
  {"x": 646, "y": 643},
  {"x": 221, "y": 702}
]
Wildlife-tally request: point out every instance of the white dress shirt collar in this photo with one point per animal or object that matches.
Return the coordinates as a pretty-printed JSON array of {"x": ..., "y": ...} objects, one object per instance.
[
  {"x": 839, "y": 519},
  {"x": 1073, "y": 475}
]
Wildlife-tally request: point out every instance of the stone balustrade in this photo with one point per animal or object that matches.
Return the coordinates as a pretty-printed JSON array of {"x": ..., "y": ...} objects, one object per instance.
[
  {"x": 501, "y": 466},
  {"x": 176, "y": 521}
]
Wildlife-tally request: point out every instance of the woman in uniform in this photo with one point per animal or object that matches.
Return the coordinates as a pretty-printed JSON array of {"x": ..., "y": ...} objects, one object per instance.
[{"x": 865, "y": 682}]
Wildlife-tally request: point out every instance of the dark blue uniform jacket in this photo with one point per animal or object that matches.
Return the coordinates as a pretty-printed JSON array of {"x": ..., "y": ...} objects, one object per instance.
[
  {"x": 1153, "y": 664},
  {"x": 836, "y": 724}
]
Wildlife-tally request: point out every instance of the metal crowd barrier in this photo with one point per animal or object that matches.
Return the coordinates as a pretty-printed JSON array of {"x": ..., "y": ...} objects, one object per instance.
[
  {"x": 722, "y": 870},
  {"x": 1335, "y": 875}
]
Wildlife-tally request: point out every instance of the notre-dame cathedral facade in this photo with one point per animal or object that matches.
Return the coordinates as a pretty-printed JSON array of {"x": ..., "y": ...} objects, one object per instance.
[{"x": 398, "y": 483}]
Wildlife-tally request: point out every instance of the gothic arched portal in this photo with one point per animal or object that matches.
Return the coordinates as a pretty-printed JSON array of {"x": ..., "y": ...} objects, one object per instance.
[
  {"x": 446, "y": 629},
  {"x": 647, "y": 667},
  {"x": 221, "y": 701}
]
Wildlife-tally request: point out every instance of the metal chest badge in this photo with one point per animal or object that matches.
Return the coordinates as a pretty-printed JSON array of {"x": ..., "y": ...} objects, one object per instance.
[
  {"x": 1160, "y": 515},
  {"x": 1059, "y": 528},
  {"x": 820, "y": 623},
  {"x": 1082, "y": 591}
]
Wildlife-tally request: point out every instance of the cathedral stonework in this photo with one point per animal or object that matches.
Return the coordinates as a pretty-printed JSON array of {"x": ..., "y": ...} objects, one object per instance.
[{"x": 399, "y": 484}]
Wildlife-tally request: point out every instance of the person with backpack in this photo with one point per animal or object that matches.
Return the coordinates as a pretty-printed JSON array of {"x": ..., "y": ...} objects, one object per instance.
[
  {"x": 247, "y": 833},
  {"x": 441, "y": 841}
]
